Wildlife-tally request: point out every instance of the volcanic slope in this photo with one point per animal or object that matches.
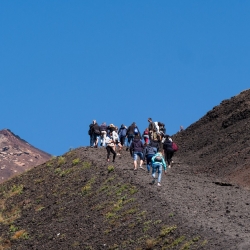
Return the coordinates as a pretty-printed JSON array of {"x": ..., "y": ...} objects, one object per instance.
[
  {"x": 17, "y": 155},
  {"x": 219, "y": 143},
  {"x": 80, "y": 201}
]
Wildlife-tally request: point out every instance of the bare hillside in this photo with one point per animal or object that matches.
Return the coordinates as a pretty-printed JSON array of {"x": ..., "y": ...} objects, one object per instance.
[
  {"x": 17, "y": 155},
  {"x": 219, "y": 143}
]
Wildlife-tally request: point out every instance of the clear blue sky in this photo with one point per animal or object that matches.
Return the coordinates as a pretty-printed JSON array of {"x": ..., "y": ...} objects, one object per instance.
[{"x": 65, "y": 63}]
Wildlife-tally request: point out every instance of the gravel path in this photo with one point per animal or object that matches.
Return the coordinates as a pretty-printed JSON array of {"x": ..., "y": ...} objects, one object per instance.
[{"x": 214, "y": 208}]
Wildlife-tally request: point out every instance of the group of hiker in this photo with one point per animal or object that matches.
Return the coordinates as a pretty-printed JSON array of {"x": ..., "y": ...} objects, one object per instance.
[{"x": 153, "y": 146}]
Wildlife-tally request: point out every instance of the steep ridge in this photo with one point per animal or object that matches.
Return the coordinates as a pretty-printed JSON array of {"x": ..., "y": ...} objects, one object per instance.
[
  {"x": 17, "y": 155},
  {"x": 79, "y": 201},
  {"x": 219, "y": 143}
]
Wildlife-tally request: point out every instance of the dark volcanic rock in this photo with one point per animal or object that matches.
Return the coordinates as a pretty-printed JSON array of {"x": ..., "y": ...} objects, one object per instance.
[
  {"x": 17, "y": 155},
  {"x": 219, "y": 143}
]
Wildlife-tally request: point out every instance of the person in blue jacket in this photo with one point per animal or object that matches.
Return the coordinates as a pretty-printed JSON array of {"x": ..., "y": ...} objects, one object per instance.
[{"x": 157, "y": 163}]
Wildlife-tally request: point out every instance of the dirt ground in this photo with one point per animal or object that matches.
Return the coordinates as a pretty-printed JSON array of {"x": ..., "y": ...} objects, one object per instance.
[{"x": 79, "y": 201}]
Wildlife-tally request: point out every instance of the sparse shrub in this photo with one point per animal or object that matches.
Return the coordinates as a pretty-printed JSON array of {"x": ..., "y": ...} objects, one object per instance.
[
  {"x": 86, "y": 165},
  {"x": 75, "y": 161},
  {"x": 167, "y": 230},
  {"x": 150, "y": 243},
  {"x": 61, "y": 160},
  {"x": 13, "y": 228},
  {"x": 111, "y": 168},
  {"x": 58, "y": 170}
]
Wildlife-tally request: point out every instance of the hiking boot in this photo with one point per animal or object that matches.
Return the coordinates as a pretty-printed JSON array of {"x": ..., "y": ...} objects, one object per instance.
[
  {"x": 141, "y": 167},
  {"x": 159, "y": 184}
]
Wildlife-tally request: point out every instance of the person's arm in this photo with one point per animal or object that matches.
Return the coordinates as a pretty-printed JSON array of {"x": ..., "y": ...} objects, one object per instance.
[
  {"x": 131, "y": 148},
  {"x": 164, "y": 165}
]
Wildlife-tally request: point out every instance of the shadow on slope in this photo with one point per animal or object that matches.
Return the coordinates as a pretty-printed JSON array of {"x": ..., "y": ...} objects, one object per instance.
[
  {"x": 72, "y": 202},
  {"x": 219, "y": 143}
]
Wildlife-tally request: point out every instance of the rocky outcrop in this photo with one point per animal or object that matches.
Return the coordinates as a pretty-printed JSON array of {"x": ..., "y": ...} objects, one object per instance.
[{"x": 17, "y": 155}]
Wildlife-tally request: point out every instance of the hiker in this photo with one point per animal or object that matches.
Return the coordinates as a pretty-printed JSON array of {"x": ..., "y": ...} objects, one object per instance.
[
  {"x": 95, "y": 133},
  {"x": 148, "y": 153},
  {"x": 157, "y": 127},
  {"x": 181, "y": 128},
  {"x": 122, "y": 134},
  {"x": 168, "y": 150},
  {"x": 146, "y": 136},
  {"x": 154, "y": 144},
  {"x": 136, "y": 149},
  {"x": 110, "y": 145},
  {"x": 162, "y": 128},
  {"x": 90, "y": 135},
  {"x": 151, "y": 128},
  {"x": 116, "y": 140},
  {"x": 157, "y": 164},
  {"x": 131, "y": 132},
  {"x": 103, "y": 130}
]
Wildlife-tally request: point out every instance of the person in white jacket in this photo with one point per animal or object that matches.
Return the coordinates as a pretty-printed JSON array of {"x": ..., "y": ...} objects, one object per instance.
[
  {"x": 116, "y": 139},
  {"x": 110, "y": 145}
]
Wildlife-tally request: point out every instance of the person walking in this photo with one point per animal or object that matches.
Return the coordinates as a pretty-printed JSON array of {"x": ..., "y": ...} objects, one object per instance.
[
  {"x": 116, "y": 140},
  {"x": 146, "y": 136},
  {"x": 90, "y": 135},
  {"x": 168, "y": 150},
  {"x": 110, "y": 146},
  {"x": 157, "y": 163},
  {"x": 95, "y": 131},
  {"x": 122, "y": 134},
  {"x": 131, "y": 132},
  {"x": 148, "y": 153},
  {"x": 136, "y": 150},
  {"x": 103, "y": 130}
]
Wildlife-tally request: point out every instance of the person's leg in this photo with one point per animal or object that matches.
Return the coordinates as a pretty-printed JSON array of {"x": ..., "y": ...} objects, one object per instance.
[
  {"x": 135, "y": 160},
  {"x": 91, "y": 141},
  {"x": 148, "y": 162},
  {"x": 169, "y": 158},
  {"x": 140, "y": 154},
  {"x": 104, "y": 138},
  {"x": 128, "y": 142},
  {"x": 159, "y": 173},
  {"x": 108, "y": 152},
  {"x": 96, "y": 141},
  {"x": 114, "y": 154},
  {"x": 122, "y": 139},
  {"x": 149, "y": 157},
  {"x": 153, "y": 174}
]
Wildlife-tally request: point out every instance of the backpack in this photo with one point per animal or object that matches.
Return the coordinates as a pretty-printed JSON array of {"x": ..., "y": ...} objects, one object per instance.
[
  {"x": 174, "y": 146},
  {"x": 158, "y": 158},
  {"x": 136, "y": 131},
  {"x": 97, "y": 132},
  {"x": 123, "y": 132}
]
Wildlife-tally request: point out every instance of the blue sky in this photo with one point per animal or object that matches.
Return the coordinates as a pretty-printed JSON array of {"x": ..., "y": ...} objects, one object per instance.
[{"x": 65, "y": 63}]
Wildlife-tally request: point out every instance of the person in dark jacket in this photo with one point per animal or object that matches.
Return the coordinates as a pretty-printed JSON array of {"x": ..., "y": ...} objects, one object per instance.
[
  {"x": 122, "y": 134},
  {"x": 103, "y": 131},
  {"x": 131, "y": 134},
  {"x": 148, "y": 153},
  {"x": 95, "y": 132},
  {"x": 90, "y": 135},
  {"x": 136, "y": 149},
  {"x": 154, "y": 144},
  {"x": 168, "y": 150}
]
